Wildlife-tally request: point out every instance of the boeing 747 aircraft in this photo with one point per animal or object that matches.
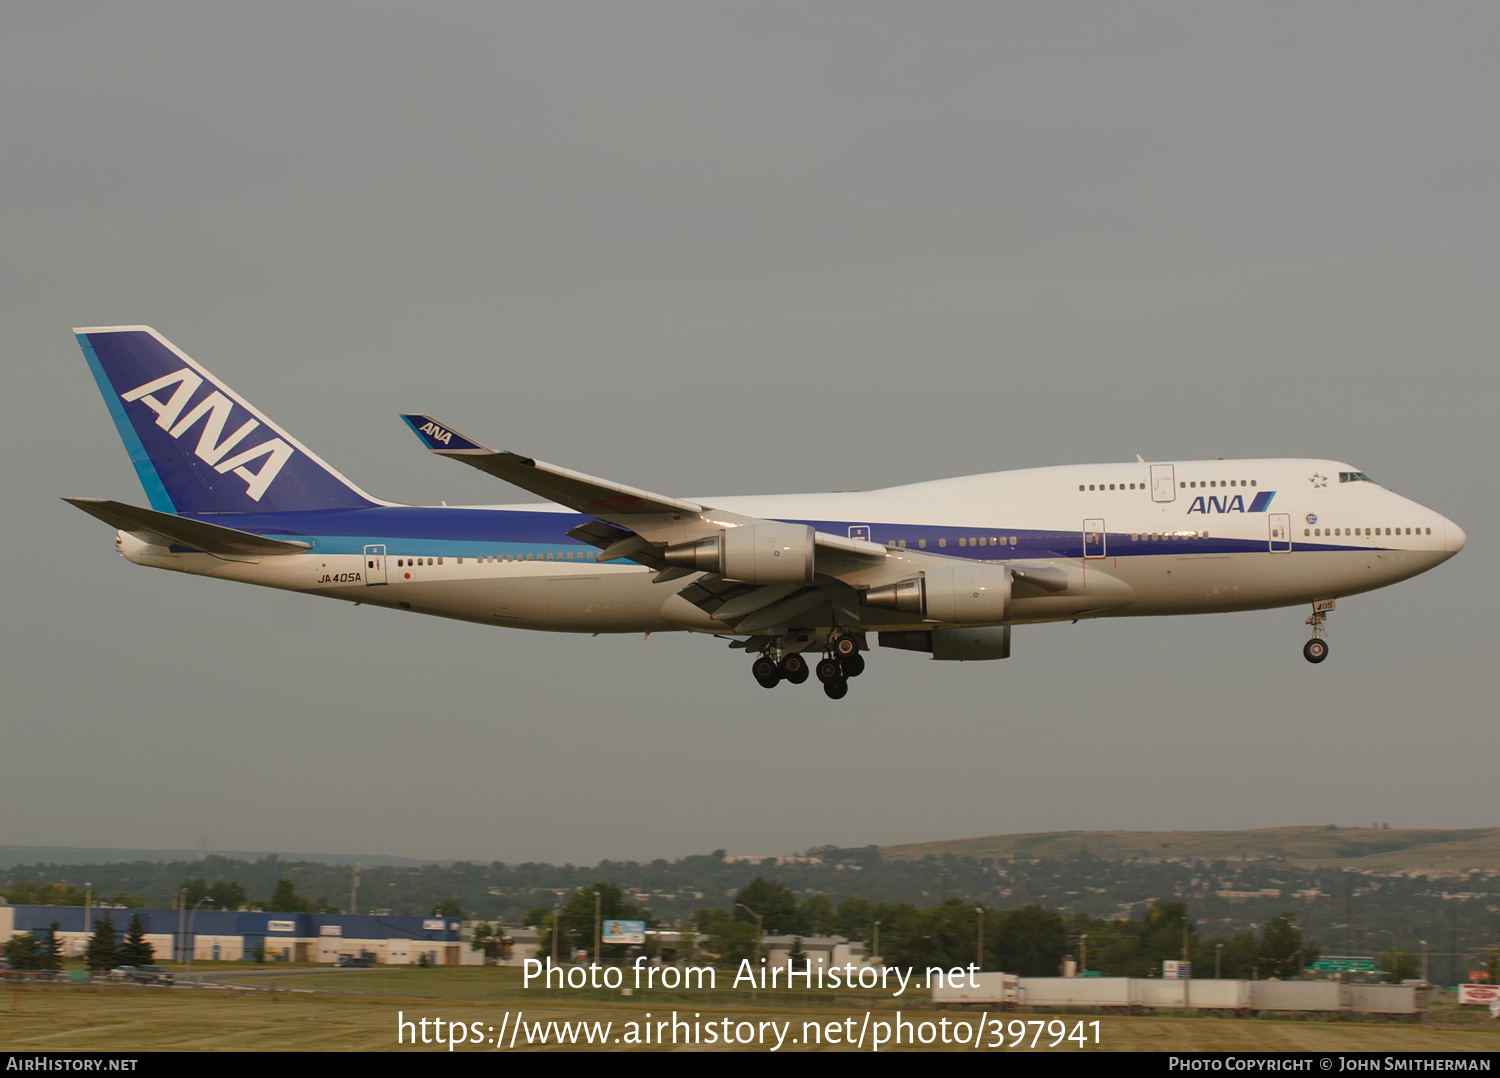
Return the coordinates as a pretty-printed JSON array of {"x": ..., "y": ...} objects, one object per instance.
[{"x": 800, "y": 581}]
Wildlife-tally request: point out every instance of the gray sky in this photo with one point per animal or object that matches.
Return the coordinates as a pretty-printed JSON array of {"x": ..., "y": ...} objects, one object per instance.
[{"x": 744, "y": 249}]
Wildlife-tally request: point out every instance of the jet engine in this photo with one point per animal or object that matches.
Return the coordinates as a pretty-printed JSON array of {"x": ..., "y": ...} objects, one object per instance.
[
  {"x": 956, "y": 645},
  {"x": 961, "y": 594},
  {"x": 757, "y": 554}
]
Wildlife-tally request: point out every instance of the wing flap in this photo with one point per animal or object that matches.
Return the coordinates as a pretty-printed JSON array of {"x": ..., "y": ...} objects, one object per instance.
[{"x": 781, "y": 612}]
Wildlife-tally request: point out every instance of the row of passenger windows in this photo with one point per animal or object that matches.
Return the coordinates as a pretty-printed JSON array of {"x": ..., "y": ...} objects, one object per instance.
[
  {"x": 571, "y": 555},
  {"x": 1367, "y": 531},
  {"x": 970, "y": 540},
  {"x": 580, "y": 555},
  {"x": 1186, "y": 484}
]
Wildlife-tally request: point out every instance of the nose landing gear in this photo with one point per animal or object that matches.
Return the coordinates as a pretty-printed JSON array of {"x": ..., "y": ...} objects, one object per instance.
[{"x": 1316, "y": 649}]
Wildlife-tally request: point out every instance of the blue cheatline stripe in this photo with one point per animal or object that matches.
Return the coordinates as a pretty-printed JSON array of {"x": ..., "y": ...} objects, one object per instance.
[
  {"x": 402, "y": 546},
  {"x": 1117, "y": 546},
  {"x": 144, "y": 469},
  {"x": 466, "y": 532}
]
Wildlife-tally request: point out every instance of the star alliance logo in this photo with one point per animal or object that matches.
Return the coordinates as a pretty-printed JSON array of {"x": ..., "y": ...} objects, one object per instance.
[{"x": 1318, "y": 480}]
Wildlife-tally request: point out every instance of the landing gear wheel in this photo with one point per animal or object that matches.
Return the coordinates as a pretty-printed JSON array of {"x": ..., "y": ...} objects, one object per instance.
[
  {"x": 766, "y": 672},
  {"x": 854, "y": 665},
  {"x": 794, "y": 669},
  {"x": 829, "y": 671},
  {"x": 836, "y": 689},
  {"x": 1316, "y": 649},
  {"x": 845, "y": 646}
]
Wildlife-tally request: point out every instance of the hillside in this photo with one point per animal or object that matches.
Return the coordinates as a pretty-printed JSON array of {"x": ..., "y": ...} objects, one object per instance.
[{"x": 1357, "y": 848}]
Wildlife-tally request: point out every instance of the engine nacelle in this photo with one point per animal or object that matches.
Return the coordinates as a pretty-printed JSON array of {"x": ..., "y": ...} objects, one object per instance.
[
  {"x": 962, "y": 594},
  {"x": 954, "y": 645},
  {"x": 756, "y": 554}
]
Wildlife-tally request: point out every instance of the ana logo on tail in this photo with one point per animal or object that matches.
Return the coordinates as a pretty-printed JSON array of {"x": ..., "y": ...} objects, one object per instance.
[
  {"x": 214, "y": 411},
  {"x": 437, "y": 433}
]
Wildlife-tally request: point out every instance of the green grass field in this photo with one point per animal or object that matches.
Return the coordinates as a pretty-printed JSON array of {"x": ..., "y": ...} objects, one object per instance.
[{"x": 319, "y": 1010}]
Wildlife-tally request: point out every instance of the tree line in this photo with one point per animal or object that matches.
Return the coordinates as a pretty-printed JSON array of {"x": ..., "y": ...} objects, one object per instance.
[
  {"x": 105, "y": 950},
  {"x": 1028, "y": 940}
]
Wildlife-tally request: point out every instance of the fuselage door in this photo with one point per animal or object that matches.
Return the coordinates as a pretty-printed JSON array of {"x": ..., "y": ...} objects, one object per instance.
[
  {"x": 1163, "y": 483},
  {"x": 1281, "y": 532},
  {"x": 859, "y": 531},
  {"x": 375, "y": 564},
  {"x": 1093, "y": 538}
]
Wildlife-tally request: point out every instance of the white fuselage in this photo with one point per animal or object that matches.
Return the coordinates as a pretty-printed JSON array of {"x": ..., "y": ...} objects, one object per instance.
[{"x": 1131, "y": 539}]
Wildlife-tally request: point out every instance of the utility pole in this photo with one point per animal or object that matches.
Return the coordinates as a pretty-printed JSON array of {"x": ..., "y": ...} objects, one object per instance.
[
  {"x": 1349, "y": 911},
  {"x": 979, "y": 959},
  {"x": 181, "y": 920},
  {"x": 1453, "y": 942},
  {"x": 354, "y": 890},
  {"x": 598, "y": 906},
  {"x": 758, "y": 923}
]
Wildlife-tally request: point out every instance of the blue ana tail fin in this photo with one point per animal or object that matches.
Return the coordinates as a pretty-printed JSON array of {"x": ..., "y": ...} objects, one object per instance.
[{"x": 197, "y": 446}]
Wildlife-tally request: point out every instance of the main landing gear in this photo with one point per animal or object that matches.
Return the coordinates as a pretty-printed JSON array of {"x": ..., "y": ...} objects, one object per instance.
[
  {"x": 1316, "y": 649},
  {"x": 842, "y": 662}
]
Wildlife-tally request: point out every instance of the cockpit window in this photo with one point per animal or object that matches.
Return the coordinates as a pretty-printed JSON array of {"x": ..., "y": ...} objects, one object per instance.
[{"x": 1354, "y": 477}]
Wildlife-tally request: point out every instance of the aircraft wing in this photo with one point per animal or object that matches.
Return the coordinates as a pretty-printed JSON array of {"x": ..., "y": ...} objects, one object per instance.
[
  {"x": 642, "y": 518},
  {"x": 585, "y": 493},
  {"x": 661, "y": 532}
]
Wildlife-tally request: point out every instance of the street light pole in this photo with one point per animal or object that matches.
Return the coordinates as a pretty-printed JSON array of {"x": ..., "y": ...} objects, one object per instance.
[
  {"x": 181, "y": 921},
  {"x": 758, "y": 922},
  {"x": 193, "y": 944},
  {"x": 758, "y": 932}
]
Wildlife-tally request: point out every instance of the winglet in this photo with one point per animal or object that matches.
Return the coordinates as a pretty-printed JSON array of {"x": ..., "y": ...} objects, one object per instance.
[{"x": 441, "y": 439}]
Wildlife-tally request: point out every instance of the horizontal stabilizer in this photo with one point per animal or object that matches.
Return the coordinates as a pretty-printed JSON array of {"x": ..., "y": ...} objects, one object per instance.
[{"x": 181, "y": 531}]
